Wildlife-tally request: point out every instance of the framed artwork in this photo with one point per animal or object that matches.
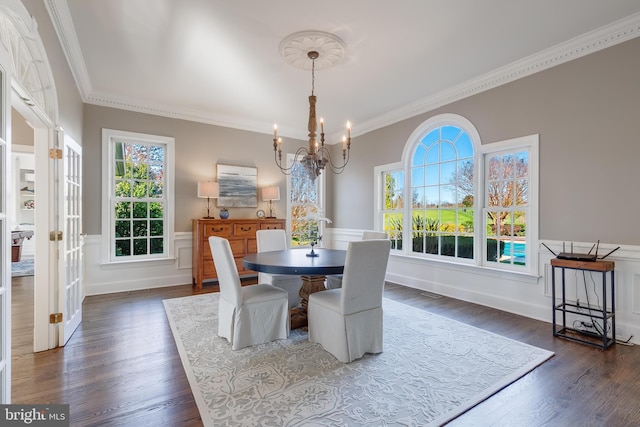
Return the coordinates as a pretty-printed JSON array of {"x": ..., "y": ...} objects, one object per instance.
[{"x": 238, "y": 186}]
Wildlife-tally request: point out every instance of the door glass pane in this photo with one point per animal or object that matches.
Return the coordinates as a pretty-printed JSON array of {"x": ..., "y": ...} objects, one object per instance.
[{"x": 3, "y": 172}]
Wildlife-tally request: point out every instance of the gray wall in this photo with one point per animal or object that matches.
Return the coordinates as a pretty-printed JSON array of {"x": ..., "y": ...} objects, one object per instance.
[
  {"x": 198, "y": 149},
  {"x": 586, "y": 112}
]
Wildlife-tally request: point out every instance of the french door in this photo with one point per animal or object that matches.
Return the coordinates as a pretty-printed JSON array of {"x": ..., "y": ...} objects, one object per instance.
[{"x": 70, "y": 262}]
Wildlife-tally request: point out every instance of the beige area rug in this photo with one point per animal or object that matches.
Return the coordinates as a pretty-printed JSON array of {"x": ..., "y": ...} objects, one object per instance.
[{"x": 432, "y": 370}]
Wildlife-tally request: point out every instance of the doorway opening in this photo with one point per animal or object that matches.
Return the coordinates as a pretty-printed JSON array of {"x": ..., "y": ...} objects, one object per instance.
[{"x": 23, "y": 226}]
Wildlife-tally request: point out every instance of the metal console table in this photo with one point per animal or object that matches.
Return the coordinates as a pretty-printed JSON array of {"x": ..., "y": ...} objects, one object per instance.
[{"x": 602, "y": 341}]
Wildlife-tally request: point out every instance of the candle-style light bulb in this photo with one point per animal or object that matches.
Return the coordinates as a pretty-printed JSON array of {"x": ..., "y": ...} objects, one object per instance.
[
  {"x": 275, "y": 131},
  {"x": 348, "y": 129},
  {"x": 321, "y": 125}
]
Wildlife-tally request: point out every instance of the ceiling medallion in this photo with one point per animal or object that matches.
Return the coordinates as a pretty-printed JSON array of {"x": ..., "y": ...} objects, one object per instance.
[{"x": 296, "y": 47}]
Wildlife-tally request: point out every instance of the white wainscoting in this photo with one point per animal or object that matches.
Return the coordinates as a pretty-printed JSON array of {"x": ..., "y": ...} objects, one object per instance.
[
  {"x": 106, "y": 279},
  {"x": 525, "y": 295}
]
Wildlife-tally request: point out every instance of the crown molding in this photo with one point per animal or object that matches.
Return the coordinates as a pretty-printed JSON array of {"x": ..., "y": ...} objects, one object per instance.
[
  {"x": 602, "y": 38},
  {"x": 599, "y": 39},
  {"x": 63, "y": 24},
  {"x": 156, "y": 109}
]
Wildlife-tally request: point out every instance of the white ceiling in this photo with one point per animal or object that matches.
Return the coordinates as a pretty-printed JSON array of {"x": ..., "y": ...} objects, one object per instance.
[{"x": 218, "y": 61}]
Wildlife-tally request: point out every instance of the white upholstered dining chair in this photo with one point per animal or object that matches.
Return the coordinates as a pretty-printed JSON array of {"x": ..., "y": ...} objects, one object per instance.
[
  {"x": 348, "y": 322},
  {"x": 276, "y": 240},
  {"x": 248, "y": 315},
  {"x": 335, "y": 280}
]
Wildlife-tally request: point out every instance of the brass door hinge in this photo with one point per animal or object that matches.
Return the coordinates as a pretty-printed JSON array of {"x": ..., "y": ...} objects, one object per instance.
[
  {"x": 55, "y": 236},
  {"x": 55, "y": 153},
  {"x": 55, "y": 318}
]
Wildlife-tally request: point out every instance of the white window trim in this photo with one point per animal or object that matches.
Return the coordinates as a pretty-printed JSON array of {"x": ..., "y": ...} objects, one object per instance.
[
  {"x": 378, "y": 171},
  {"x": 107, "y": 189},
  {"x": 531, "y": 143},
  {"x": 378, "y": 202}
]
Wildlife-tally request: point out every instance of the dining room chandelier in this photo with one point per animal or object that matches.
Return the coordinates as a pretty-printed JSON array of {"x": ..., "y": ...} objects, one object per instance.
[{"x": 316, "y": 157}]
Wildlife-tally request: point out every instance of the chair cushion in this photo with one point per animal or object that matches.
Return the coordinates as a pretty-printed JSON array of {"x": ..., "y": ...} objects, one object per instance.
[
  {"x": 329, "y": 299},
  {"x": 256, "y": 293}
]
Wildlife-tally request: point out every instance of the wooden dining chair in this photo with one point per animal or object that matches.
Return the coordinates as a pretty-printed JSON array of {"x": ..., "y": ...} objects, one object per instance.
[
  {"x": 247, "y": 315},
  {"x": 335, "y": 280},
  {"x": 348, "y": 322},
  {"x": 276, "y": 240}
]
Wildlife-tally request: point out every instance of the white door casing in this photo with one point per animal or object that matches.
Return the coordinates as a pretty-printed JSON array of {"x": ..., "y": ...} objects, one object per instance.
[
  {"x": 5, "y": 232},
  {"x": 34, "y": 96}
]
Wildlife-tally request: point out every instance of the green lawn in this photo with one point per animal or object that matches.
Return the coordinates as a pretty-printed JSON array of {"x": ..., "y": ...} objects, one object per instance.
[{"x": 447, "y": 216}]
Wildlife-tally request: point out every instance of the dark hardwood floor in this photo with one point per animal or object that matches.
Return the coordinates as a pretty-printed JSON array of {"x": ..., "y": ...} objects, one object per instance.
[{"x": 121, "y": 367}]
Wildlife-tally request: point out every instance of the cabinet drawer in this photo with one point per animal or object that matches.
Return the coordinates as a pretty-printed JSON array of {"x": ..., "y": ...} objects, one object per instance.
[
  {"x": 237, "y": 247},
  {"x": 220, "y": 230},
  {"x": 209, "y": 269},
  {"x": 272, "y": 226},
  {"x": 245, "y": 229}
]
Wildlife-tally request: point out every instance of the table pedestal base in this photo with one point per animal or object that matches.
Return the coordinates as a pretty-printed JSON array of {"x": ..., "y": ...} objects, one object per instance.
[{"x": 310, "y": 284}]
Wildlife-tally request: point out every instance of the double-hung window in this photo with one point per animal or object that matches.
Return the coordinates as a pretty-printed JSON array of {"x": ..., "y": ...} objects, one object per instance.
[
  {"x": 510, "y": 200},
  {"x": 138, "y": 200}
]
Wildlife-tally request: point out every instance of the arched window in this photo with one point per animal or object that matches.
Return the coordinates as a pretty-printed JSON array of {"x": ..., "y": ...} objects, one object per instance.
[
  {"x": 442, "y": 192},
  {"x": 456, "y": 199}
]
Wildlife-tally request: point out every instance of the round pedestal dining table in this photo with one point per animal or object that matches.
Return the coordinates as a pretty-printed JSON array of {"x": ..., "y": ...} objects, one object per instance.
[{"x": 312, "y": 265}]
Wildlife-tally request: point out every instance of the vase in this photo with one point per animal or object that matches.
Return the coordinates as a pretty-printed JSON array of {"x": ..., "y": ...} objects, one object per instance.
[{"x": 224, "y": 213}]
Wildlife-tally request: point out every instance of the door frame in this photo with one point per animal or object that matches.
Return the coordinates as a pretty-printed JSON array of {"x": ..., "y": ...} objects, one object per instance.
[
  {"x": 43, "y": 116},
  {"x": 45, "y": 273}
]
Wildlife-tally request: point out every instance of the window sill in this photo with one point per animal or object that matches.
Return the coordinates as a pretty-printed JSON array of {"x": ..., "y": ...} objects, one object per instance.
[
  {"x": 520, "y": 276},
  {"x": 138, "y": 263}
]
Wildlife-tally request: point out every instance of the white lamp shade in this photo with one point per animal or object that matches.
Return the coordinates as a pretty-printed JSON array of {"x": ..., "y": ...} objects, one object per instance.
[
  {"x": 271, "y": 193},
  {"x": 208, "y": 189}
]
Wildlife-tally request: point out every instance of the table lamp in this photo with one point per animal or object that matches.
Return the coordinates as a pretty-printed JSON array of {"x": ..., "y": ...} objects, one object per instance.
[
  {"x": 208, "y": 190},
  {"x": 270, "y": 194}
]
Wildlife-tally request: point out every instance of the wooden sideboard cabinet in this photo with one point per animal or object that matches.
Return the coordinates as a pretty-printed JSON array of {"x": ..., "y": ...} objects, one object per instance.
[{"x": 241, "y": 234}]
